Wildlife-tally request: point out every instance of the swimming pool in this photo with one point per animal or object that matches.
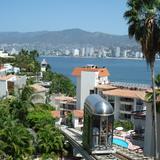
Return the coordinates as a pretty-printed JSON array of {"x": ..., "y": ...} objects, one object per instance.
[{"x": 120, "y": 142}]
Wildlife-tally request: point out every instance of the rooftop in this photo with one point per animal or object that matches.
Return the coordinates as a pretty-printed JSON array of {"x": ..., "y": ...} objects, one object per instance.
[
  {"x": 125, "y": 93},
  {"x": 103, "y": 72},
  {"x": 78, "y": 113},
  {"x": 65, "y": 99},
  {"x": 38, "y": 88},
  {"x": 7, "y": 77},
  {"x": 2, "y": 68},
  {"x": 44, "y": 61},
  {"x": 56, "y": 114}
]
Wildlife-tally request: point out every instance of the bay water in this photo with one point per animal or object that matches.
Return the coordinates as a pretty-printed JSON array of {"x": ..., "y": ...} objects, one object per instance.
[{"x": 121, "y": 70}]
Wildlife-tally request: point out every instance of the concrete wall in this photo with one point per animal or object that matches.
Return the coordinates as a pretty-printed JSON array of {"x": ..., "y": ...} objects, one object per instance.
[
  {"x": 78, "y": 92},
  {"x": 116, "y": 108},
  {"x": 75, "y": 122},
  {"x": 20, "y": 81},
  {"x": 39, "y": 97},
  {"x": 149, "y": 132},
  {"x": 3, "y": 89},
  {"x": 88, "y": 82},
  {"x": 148, "y": 136}
]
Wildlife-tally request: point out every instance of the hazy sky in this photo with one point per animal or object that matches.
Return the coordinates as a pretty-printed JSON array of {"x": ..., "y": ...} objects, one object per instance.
[{"x": 36, "y": 15}]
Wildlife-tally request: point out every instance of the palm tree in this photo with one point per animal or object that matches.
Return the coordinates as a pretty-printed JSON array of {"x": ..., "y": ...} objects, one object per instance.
[
  {"x": 149, "y": 95},
  {"x": 50, "y": 140},
  {"x": 143, "y": 19}
]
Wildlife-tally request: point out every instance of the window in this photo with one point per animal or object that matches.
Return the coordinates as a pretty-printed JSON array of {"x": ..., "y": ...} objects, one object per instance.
[
  {"x": 125, "y": 116},
  {"x": 80, "y": 120},
  {"x": 91, "y": 91},
  {"x": 127, "y": 108}
]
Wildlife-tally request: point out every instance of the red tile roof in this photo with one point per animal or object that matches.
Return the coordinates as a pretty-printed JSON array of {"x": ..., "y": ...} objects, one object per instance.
[
  {"x": 7, "y": 77},
  {"x": 102, "y": 71},
  {"x": 1, "y": 67},
  {"x": 125, "y": 93},
  {"x": 78, "y": 113},
  {"x": 56, "y": 114}
]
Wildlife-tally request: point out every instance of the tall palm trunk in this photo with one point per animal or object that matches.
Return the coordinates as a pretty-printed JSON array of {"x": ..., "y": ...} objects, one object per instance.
[{"x": 154, "y": 111}]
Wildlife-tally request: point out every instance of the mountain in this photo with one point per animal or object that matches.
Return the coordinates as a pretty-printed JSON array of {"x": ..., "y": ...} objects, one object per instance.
[{"x": 70, "y": 37}]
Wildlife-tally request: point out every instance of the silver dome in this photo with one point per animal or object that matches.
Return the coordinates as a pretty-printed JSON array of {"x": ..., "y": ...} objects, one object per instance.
[{"x": 98, "y": 106}]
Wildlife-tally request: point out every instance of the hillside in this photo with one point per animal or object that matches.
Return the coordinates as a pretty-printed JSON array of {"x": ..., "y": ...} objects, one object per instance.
[{"x": 66, "y": 38}]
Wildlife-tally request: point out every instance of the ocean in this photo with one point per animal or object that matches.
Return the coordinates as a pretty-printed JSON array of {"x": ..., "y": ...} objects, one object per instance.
[{"x": 121, "y": 70}]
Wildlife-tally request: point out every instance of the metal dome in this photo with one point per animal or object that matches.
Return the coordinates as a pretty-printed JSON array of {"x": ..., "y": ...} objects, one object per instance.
[{"x": 98, "y": 106}]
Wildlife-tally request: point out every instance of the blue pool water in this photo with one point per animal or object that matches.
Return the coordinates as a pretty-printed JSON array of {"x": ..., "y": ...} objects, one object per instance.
[{"x": 120, "y": 142}]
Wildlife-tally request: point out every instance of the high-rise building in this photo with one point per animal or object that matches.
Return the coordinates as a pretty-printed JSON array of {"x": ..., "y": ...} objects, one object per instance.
[
  {"x": 117, "y": 53},
  {"x": 87, "y": 79},
  {"x": 76, "y": 52}
]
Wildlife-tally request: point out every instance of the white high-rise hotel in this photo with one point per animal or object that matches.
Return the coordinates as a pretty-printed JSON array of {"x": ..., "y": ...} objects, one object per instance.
[
  {"x": 87, "y": 79},
  {"x": 117, "y": 53}
]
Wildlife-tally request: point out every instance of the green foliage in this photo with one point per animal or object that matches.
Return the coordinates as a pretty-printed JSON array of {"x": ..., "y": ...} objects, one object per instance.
[
  {"x": 15, "y": 140},
  {"x": 27, "y": 62},
  {"x": 42, "y": 106},
  {"x": 69, "y": 120},
  {"x": 62, "y": 84},
  {"x": 157, "y": 80},
  {"x": 28, "y": 129},
  {"x": 26, "y": 93},
  {"x": 38, "y": 119},
  {"x": 127, "y": 125},
  {"x": 48, "y": 76},
  {"x": 143, "y": 20},
  {"x": 30, "y": 81},
  {"x": 47, "y": 143},
  {"x": 149, "y": 95}
]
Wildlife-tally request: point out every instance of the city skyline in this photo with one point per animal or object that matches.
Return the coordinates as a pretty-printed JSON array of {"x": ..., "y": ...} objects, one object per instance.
[{"x": 55, "y": 15}]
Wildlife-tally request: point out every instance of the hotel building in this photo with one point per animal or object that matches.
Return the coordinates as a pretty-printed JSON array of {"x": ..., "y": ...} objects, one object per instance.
[{"x": 88, "y": 78}]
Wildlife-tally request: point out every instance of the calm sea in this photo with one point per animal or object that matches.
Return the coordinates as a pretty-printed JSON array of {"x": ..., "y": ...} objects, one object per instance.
[{"x": 123, "y": 70}]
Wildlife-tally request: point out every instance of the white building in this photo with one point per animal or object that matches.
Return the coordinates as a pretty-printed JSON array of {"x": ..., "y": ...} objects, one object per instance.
[
  {"x": 2, "y": 71},
  {"x": 77, "y": 118},
  {"x": 124, "y": 53},
  {"x": 3, "y": 53},
  {"x": 39, "y": 95},
  {"x": 13, "y": 52},
  {"x": 9, "y": 83},
  {"x": 117, "y": 53},
  {"x": 44, "y": 65},
  {"x": 124, "y": 100},
  {"x": 83, "y": 51},
  {"x": 76, "y": 52},
  {"x": 87, "y": 79}
]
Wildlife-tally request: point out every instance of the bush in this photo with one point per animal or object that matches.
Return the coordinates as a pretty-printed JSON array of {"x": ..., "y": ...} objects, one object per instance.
[{"x": 127, "y": 125}]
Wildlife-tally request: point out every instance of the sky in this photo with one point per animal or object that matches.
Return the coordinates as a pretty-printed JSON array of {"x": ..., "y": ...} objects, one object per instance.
[{"x": 53, "y": 15}]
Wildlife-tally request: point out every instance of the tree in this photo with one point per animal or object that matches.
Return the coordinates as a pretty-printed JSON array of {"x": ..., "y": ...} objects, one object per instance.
[
  {"x": 50, "y": 140},
  {"x": 143, "y": 19},
  {"x": 27, "y": 61},
  {"x": 15, "y": 140},
  {"x": 62, "y": 84},
  {"x": 149, "y": 95},
  {"x": 20, "y": 106}
]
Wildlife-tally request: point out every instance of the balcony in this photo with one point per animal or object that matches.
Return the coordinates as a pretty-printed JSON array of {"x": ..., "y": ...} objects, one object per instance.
[{"x": 139, "y": 114}]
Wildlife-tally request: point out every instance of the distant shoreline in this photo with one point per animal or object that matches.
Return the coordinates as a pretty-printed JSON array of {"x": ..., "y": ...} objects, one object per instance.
[
  {"x": 116, "y": 58},
  {"x": 93, "y": 57}
]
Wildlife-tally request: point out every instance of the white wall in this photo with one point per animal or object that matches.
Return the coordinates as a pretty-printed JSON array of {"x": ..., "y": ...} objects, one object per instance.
[
  {"x": 88, "y": 82},
  {"x": 3, "y": 89},
  {"x": 149, "y": 134},
  {"x": 78, "y": 92},
  {"x": 75, "y": 122}
]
